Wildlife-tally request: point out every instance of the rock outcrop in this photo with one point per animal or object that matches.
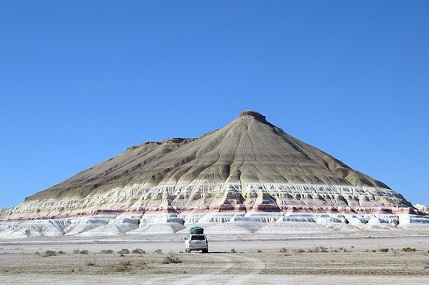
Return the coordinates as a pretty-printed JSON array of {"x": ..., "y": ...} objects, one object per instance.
[
  {"x": 422, "y": 209},
  {"x": 249, "y": 166}
]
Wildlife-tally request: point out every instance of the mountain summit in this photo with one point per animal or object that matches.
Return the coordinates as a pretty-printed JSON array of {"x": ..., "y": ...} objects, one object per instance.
[{"x": 248, "y": 165}]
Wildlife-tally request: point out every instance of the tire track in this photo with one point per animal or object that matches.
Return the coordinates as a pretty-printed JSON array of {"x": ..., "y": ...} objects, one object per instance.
[
  {"x": 207, "y": 278},
  {"x": 257, "y": 267},
  {"x": 251, "y": 267}
]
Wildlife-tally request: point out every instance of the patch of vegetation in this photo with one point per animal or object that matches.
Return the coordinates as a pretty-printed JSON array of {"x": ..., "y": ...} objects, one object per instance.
[
  {"x": 61, "y": 252},
  {"x": 259, "y": 251},
  {"x": 107, "y": 251},
  {"x": 233, "y": 250},
  {"x": 49, "y": 253},
  {"x": 124, "y": 266},
  {"x": 322, "y": 249},
  {"x": 172, "y": 258},
  {"x": 124, "y": 251},
  {"x": 76, "y": 251},
  {"x": 283, "y": 249},
  {"x": 159, "y": 251},
  {"x": 383, "y": 250},
  {"x": 409, "y": 249},
  {"x": 319, "y": 249},
  {"x": 139, "y": 251},
  {"x": 90, "y": 263},
  {"x": 343, "y": 249},
  {"x": 84, "y": 251}
]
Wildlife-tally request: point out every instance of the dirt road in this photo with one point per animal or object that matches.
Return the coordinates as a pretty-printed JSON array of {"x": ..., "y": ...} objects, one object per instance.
[{"x": 131, "y": 261}]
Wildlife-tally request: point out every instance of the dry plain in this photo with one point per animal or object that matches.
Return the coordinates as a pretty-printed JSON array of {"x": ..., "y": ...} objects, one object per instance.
[{"x": 231, "y": 260}]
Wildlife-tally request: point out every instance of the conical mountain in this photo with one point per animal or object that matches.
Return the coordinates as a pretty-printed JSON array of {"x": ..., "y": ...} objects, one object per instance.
[{"x": 247, "y": 165}]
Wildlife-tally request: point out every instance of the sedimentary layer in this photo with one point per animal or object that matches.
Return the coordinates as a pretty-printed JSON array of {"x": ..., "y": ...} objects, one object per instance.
[{"x": 248, "y": 165}]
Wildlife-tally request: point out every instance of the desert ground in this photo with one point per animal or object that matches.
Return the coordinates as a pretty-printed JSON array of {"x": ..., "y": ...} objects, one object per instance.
[{"x": 231, "y": 260}]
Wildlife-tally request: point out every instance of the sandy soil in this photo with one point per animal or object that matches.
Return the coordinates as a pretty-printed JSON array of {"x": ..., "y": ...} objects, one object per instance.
[{"x": 392, "y": 260}]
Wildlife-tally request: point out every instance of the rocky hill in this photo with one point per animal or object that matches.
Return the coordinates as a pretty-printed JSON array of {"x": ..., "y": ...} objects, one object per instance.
[{"x": 248, "y": 166}]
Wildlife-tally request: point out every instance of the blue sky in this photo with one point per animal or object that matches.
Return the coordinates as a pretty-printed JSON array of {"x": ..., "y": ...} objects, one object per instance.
[{"x": 80, "y": 81}]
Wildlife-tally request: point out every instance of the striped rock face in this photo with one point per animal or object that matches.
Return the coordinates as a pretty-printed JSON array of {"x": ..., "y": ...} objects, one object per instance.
[{"x": 247, "y": 166}]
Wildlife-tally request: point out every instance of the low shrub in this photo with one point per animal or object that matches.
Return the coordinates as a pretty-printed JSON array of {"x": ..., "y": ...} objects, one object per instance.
[
  {"x": 124, "y": 251},
  {"x": 49, "y": 253},
  {"x": 322, "y": 249},
  {"x": 172, "y": 258},
  {"x": 107, "y": 251},
  {"x": 409, "y": 249},
  {"x": 124, "y": 266},
  {"x": 90, "y": 263},
  {"x": 138, "y": 250}
]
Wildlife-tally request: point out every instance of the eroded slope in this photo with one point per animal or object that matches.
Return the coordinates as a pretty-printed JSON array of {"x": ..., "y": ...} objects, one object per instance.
[{"x": 249, "y": 164}]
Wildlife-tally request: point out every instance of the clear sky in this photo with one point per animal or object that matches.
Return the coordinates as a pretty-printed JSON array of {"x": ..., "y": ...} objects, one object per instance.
[{"x": 80, "y": 81}]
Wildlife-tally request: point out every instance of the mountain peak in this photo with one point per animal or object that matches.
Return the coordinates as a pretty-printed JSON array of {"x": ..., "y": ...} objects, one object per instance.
[{"x": 254, "y": 114}]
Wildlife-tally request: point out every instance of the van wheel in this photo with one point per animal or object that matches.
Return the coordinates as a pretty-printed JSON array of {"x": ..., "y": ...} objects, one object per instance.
[
  {"x": 205, "y": 250},
  {"x": 187, "y": 250}
]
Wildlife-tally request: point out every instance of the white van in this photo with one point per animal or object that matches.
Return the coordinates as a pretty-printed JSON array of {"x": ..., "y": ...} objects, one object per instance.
[{"x": 196, "y": 242}]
